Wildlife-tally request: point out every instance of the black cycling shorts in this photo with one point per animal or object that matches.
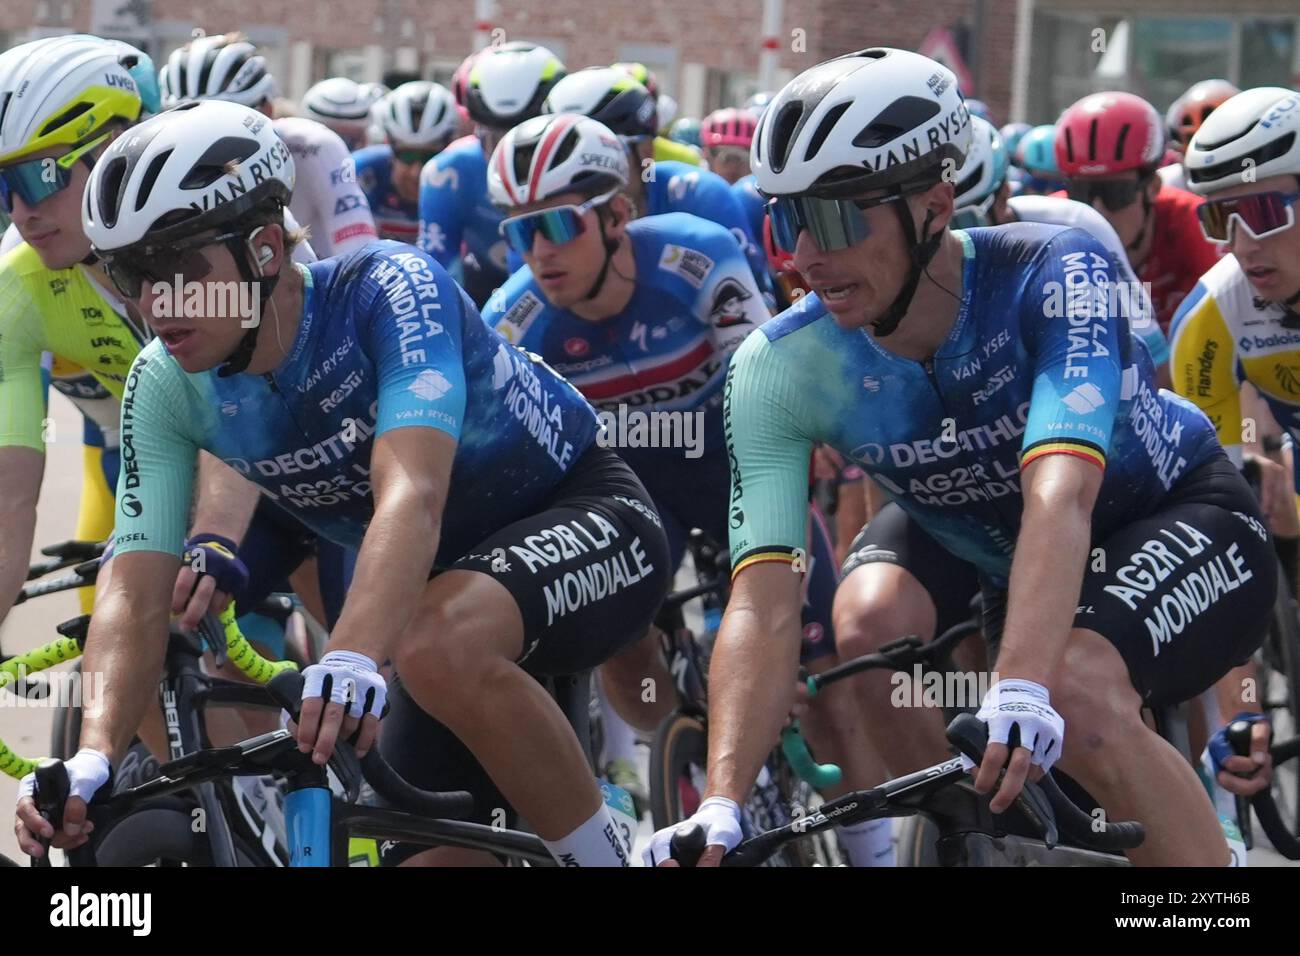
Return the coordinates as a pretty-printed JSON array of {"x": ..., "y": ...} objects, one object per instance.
[
  {"x": 1184, "y": 594},
  {"x": 588, "y": 572},
  {"x": 894, "y": 538}
]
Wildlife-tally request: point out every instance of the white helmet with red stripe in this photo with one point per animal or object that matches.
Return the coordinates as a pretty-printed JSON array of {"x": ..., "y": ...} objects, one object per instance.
[{"x": 553, "y": 154}]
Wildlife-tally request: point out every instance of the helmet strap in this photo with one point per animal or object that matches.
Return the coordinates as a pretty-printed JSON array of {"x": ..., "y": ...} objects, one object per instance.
[
  {"x": 920, "y": 253},
  {"x": 238, "y": 360},
  {"x": 611, "y": 247}
]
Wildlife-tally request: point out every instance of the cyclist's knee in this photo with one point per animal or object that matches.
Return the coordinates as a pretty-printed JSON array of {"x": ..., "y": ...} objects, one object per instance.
[
  {"x": 879, "y": 603},
  {"x": 1095, "y": 697}
]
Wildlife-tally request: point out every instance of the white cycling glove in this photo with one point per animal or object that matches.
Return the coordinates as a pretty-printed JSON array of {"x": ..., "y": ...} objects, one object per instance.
[
  {"x": 354, "y": 677},
  {"x": 720, "y": 818},
  {"x": 88, "y": 770},
  {"x": 1011, "y": 702}
]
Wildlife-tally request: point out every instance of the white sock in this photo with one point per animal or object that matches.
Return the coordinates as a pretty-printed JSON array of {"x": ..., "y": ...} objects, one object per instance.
[
  {"x": 869, "y": 844},
  {"x": 620, "y": 736},
  {"x": 595, "y": 843}
]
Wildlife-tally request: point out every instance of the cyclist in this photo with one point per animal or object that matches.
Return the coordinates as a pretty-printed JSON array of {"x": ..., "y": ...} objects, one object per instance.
[
  {"x": 458, "y": 223},
  {"x": 982, "y": 199},
  {"x": 430, "y": 443},
  {"x": 1238, "y": 323},
  {"x": 665, "y": 113},
  {"x": 328, "y": 201},
  {"x": 343, "y": 105},
  {"x": 726, "y": 135},
  {"x": 1036, "y": 155},
  {"x": 1185, "y": 116},
  {"x": 685, "y": 130},
  {"x": 641, "y": 316},
  {"x": 1004, "y": 423},
  {"x": 419, "y": 120},
  {"x": 1108, "y": 147},
  {"x": 626, "y": 108}
]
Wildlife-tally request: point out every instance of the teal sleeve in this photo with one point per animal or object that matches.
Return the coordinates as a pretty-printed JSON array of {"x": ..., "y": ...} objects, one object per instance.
[
  {"x": 156, "y": 479},
  {"x": 769, "y": 445}
]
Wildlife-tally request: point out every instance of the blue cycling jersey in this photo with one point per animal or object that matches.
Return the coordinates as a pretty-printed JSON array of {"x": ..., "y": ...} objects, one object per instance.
[
  {"x": 752, "y": 202},
  {"x": 680, "y": 187},
  {"x": 695, "y": 301},
  {"x": 395, "y": 218},
  {"x": 386, "y": 341},
  {"x": 1037, "y": 362},
  {"x": 455, "y": 209}
]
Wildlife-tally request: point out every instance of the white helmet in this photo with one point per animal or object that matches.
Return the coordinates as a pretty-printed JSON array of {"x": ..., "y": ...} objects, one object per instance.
[
  {"x": 221, "y": 67},
  {"x": 985, "y": 168},
  {"x": 341, "y": 103},
  {"x": 196, "y": 167},
  {"x": 553, "y": 154},
  {"x": 419, "y": 113},
  {"x": 873, "y": 119},
  {"x": 60, "y": 91},
  {"x": 1256, "y": 130},
  {"x": 609, "y": 96},
  {"x": 508, "y": 83}
]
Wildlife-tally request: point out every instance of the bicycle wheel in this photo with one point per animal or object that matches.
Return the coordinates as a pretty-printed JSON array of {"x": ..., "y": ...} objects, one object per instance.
[
  {"x": 1281, "y": 699},
  {"x": 161, "y": 833},
  {"x": 678, "y": 759}
]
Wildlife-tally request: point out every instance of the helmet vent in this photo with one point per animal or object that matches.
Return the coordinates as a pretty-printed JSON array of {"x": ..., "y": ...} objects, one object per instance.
[
  {"x": 217, "y": 160},
  {"x": 1279, "y": 147},
  {"x": 150, "y": 177},
  {"x": 1119, "y": 141},
  {"x": 110, "y": 189},
  {"x": 781, "y": 138},
  {"x": 827, "y": 124},
  {"x": 905, "y": 114},
  {"x": 66, "y": 117},
  {"x": 566, "y": 147}
]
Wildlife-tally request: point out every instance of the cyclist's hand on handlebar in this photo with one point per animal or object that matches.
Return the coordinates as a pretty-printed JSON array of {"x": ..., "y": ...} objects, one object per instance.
[
  {"x": 719, "y": 817},
  {"x": 1274, "y": 488},
  {"x": 212, "y": 572},
  {"x": 1022, "y": 709},
  {"x": 88, "y": 770},
  {"x": 356, "y": 692},
  {"x": 1244, "y": 776}
]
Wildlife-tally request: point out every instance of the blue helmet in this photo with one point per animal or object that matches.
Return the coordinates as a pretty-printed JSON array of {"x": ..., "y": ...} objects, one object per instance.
[
  {"x": 981, "y": 109},
  {"x": 1037, "y": 151},
  {"x": 685, "y": 130},
  {"x": 1012, "y": 134}
]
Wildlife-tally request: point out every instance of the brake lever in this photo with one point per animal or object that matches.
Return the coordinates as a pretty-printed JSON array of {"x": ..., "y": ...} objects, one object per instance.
[{"x": 970, "y": 736}]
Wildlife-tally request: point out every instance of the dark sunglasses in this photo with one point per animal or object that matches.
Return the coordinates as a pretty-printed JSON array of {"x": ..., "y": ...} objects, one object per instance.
[
  {"x": 131, "y": 268},
  {"x": 38, "y": 179},
  {"x": 559, "y": 224},
  {"x": 1115, "y": 194},
  {"x": 834, "y": 224},
  {"x": 1262, "y": 214},
  {"x": 416, "y": 157}
]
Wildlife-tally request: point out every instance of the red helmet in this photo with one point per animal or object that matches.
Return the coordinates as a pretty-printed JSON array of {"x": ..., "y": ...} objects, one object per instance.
[
  {"x": 728, "y": 127},
  {"x": 460, "y": 79},
  {"x": 1189, "y": 111},
  {"x": 1108, "y": 133}
]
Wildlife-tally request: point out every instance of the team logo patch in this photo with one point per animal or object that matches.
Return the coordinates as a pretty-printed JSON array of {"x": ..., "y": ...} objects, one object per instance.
[
  {"x": 516, "y": 320},
  {"x": 728, "y": 306},
  {"x": 691, "y": 265},
  {"x": 430, "y": 385},
  {"x": 577, "y": 347}
]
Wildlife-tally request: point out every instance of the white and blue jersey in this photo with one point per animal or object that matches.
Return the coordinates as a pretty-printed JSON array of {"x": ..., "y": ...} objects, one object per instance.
[{"x": 395, "y": 218}]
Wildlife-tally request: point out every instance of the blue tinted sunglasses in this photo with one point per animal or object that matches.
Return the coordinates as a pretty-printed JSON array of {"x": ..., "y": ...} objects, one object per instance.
[
  {"x": 559, "y": 224},
  {"x": 38, "y": 179}
]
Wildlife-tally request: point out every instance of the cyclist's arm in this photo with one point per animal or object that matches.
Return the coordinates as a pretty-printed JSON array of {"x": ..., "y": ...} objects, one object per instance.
[
  {"x": 225, "y": 501},
  {"x": 1204, "y": 368},
  {"x": 22, "y": 449},
  {"x": 756, "y": 657},
  {"x": 128, "y": 633},
  {"x": 442, "y": 213},
  {"x": 1064, "y": 454},
  {"x": 21, "y": 470}
]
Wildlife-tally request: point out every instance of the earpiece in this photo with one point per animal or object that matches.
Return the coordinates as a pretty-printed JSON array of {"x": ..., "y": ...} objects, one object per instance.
[{"x": 264, "y": 255}]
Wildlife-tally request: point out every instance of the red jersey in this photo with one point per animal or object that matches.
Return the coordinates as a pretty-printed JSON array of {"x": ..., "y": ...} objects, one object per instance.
[{"x": 1180, "y": 253}]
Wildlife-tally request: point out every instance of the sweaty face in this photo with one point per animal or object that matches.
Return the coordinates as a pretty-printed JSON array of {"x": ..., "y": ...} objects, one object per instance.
[
  {"x": 1271, "y": 264},
  {"x": 858, "y": 284},
  {"x": 201, "y": 322},
  {"x": 566, "y": 271},
  {"x": 53, "y": 226}
]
